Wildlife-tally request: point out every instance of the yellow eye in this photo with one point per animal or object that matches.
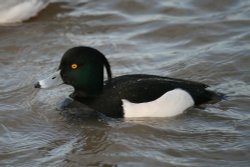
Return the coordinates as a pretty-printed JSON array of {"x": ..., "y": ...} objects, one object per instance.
[{"x": 73, "y": 66}]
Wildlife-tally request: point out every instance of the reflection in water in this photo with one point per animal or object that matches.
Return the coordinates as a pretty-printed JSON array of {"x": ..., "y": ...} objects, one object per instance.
[{"x": 204, "y": 41}]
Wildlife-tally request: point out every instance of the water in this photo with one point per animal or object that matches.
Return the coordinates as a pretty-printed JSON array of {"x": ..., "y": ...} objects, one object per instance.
[{"x": 206, "y": 41}]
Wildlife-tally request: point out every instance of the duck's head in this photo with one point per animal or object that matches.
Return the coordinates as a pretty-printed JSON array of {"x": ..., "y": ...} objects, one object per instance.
[{"x": 80, "y": 67}]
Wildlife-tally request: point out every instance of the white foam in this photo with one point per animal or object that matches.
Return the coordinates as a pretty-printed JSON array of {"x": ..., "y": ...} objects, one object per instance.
[{"x": 18, "y": 11}]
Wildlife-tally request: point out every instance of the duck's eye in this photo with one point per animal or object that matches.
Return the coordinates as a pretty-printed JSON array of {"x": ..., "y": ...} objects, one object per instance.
[{"x": 74, "y": 66}]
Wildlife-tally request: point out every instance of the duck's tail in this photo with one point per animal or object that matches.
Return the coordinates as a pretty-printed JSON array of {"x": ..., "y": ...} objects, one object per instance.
[{"x": 215, "y": 97}]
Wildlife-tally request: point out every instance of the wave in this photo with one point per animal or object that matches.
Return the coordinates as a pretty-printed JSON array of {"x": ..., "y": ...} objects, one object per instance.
[{"x": 15, "y": 11}]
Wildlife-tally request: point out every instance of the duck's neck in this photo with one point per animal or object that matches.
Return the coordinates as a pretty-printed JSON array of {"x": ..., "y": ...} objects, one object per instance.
[{"x": 83, "y": 94}]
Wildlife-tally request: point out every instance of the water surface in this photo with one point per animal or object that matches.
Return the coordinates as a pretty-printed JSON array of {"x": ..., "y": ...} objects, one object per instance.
[{"x": 205, "y": 41}]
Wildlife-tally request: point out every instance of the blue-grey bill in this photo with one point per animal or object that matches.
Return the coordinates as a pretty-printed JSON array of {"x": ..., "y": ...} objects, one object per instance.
[{"x": 52, "y": 81}]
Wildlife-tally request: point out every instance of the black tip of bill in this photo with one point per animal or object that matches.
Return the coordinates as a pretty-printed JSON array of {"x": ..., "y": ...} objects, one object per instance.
[{"x": 37, "y": 85}]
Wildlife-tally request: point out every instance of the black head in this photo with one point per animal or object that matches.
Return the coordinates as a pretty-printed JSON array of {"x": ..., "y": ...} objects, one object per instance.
[{"x": 82, "y": 68}]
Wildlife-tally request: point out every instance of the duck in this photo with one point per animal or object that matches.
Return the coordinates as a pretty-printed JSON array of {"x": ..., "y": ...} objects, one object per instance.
[{"x": 126, "y": 96}]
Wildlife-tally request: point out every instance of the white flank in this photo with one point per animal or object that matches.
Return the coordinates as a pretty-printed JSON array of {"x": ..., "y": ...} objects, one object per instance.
[
  {"x": 170, "y": 104},
  {"x": 52, "y": 81}
]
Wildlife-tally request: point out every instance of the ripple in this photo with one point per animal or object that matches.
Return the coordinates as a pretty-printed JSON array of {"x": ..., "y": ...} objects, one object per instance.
[{"x": 205, "y": 41}]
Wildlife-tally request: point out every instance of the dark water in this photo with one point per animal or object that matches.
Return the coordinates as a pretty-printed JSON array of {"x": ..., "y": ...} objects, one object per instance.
[{"x": 207, "y": 41}]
